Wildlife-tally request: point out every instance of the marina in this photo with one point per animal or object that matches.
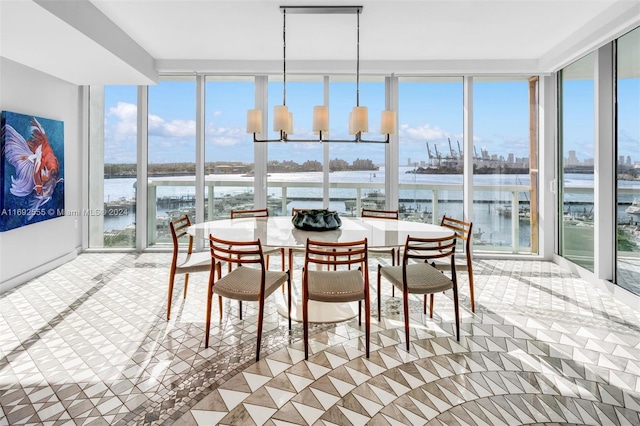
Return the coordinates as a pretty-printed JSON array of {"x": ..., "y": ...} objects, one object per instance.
[{"x": 423, "y": 198}]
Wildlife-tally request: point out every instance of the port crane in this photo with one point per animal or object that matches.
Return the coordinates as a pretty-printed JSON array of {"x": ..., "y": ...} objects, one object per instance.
[
  {"x": 432, "y": 157},
  {"x": 453, "y": 153}
]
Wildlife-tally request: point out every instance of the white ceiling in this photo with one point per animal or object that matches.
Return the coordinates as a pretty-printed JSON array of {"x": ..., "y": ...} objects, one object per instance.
[{"x": 131, "y": 41}]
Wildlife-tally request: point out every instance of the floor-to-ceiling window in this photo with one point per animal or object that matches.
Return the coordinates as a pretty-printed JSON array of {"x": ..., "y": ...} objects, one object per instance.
[
  {"x": 113, "y": 167},
  {"x": 628, "y": 161},
  {"x": 171, "y": 155},
  {"x": 504, "y": 142},
  {"x": 352, "y": 176},
  {"x": 229, "y": 162},
  {"x": 576, "y": 125},
  {"x": 295, "y": 176},
  {"x": 357, "y": 169},
  {"x": 430, "y": 148}
]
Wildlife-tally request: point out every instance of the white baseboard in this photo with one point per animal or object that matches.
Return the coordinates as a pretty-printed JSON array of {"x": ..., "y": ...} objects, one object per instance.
[{"x": 36, "y": 272}]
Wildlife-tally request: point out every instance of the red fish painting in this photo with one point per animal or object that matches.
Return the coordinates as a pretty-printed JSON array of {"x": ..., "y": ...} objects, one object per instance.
[{"x": 35, "y": 163}]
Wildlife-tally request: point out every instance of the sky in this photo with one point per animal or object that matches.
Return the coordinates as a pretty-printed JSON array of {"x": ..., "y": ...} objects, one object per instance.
[{"x": 428, "y": 113}]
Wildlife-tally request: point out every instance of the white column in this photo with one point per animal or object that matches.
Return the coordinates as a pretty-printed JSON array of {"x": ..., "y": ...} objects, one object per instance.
[
  {"x": 548, "y": 219},
  {"x": 604, "y": 167},
  {"x": 200, "y": 152},
  {"x": 391, "y": 160},
  {"x": 467, "y": 177},
  {"x": 95, "y": 172},
  {"x": 325, "y": 152},
  {"x": 142, "y": 235},
  {"x": 260, "y": 150}
]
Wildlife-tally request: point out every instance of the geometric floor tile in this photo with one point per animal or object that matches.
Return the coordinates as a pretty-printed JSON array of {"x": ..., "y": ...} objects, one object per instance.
[{"x": 89, "y": 343}]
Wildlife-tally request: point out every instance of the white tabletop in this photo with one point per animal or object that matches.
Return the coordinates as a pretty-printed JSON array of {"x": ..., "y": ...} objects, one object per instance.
[{"x": 278, "y": 231}]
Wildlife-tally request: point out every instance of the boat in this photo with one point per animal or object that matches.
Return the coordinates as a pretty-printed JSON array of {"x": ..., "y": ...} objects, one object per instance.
[
  {"x": 505, "y": 210},
  {"x": 634, "y": 208}
]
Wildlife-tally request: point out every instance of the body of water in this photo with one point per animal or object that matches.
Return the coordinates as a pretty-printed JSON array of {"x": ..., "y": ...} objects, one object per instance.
[{"x": 494, "y": 227}]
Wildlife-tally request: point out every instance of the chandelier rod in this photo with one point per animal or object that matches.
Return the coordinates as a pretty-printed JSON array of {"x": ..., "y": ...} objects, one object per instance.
[
  {"x": 284, "y": 56},
  {"x": 358, "y": 59}
]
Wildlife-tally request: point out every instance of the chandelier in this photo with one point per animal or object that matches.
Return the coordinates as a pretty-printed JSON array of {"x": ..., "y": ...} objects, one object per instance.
[{"x": 358, "y": 118}]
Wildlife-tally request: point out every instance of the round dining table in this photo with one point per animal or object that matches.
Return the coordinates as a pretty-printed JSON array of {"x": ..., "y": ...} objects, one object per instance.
[{"x": 279, "y": 232}]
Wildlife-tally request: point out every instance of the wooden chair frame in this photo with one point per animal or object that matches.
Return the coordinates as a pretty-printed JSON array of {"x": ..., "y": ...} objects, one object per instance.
[
  {"x": 418, "y": 255},
  {"x": 193, "y": 262},
  {"x": 237, "y": 214},
  {"x": 338, "y": 255},
  {"x": 242, "y": 254},
  {"x": 464, "y": 232},
  {"x": 394, "y": 252}
]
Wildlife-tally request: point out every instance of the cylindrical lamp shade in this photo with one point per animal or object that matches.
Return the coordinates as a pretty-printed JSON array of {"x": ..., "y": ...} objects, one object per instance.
[
  {"x": 351, "y": 131},
  {"x": 388, "y": 122},
  {"x": 280, "y": 118},
  {"x": 254, "y": 121},
  {"x": 289, "y": 129},
  {"x": 360, "y": 119},
  {"x": 320, "y": 119}
]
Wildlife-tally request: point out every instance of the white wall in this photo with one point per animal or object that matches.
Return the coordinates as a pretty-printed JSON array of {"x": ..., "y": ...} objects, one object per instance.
[{"x": 34, "y": 249}]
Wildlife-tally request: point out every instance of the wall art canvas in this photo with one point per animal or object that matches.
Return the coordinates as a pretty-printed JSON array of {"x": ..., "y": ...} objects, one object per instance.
[{"x": 31, "y": 170}]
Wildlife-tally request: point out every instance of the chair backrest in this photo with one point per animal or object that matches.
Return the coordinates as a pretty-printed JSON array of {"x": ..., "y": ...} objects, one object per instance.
[
  {"x": 178, "y": 230},
  {"x": 249, "y": 213},
  {"x": 381, "y": 214},
  {"x": 236, "y": 252},
  {"x": 337, "y": 254},
  {"x": 425, "y": 249},
  {"x": 462, "y": 229}
]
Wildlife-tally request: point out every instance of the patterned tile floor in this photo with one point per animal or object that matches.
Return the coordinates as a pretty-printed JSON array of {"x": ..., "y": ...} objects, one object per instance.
[{"x": 88, "y": 343}]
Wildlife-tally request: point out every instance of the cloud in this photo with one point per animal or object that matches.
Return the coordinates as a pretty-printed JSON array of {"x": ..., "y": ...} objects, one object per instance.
[
  {"x": 174, "y": 129},
  {"x": 125, "y": 125},
  {"x": 225, "y": 136},
  {"x": 421, "y": 133}
]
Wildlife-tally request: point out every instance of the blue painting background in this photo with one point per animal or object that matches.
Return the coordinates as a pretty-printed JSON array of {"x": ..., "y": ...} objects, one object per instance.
[{"x": 11, "y": 206}]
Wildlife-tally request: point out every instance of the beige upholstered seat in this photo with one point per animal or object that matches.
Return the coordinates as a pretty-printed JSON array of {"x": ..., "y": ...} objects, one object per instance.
[
  {"x": 268, "y": 251},
  {"x": 464, "y": 231},
  {"x": 192, "y": 262},
  {"x": 250, "y": 281},
  {"x": 416, "y": 275},
  {"x": 347, "y": 281}
]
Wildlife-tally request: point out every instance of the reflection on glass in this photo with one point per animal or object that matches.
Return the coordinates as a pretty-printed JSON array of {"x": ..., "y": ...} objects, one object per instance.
[
  {"x": 430, "y": 151},
  {"x": 577, "y": 147},
  {"x": 229, "y": 162},
  {"x": 628, "y": 164},
  {"x": 171, "y": 156},
  {"x": 502, "y": 148}
]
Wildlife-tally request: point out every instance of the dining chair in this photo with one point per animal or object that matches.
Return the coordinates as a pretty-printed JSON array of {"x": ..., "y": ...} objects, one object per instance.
[
  {"x": 338, "y": 285},
  {"x": 250, "y": 281},
  {"x": 268, "y": 251},
  {"x": 193, "y": 262},
  {"x": 392, "y": 251},
  {"x": 464, "y": 231},
  {"x": 417, "y": 275}
]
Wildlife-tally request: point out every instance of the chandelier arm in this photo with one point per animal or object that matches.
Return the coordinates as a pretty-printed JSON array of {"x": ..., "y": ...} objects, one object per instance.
[
  {"x": 360, "y": 140},
  {"x": 282, "y": 138}
]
